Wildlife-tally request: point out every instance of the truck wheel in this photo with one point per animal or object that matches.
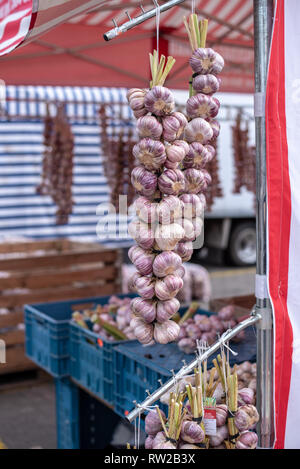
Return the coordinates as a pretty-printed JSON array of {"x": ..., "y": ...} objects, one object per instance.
[{"x": 242, "y": 245}]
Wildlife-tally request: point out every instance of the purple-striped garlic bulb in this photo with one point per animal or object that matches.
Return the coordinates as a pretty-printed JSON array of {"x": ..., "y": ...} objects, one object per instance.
[
  {"x": 247, "y": 440},
  {"x": 173, "y": 126},
  {"x": 212, "y": 152},
  {"x": 217, "y": 440},
  {"x": 166, "y": 331},
  {"x": 166, "y": 263},
  {"x": 142, "y": 259},
  {"x": 167, "y": 236},
  {"x": 144, "y": 309},
  {"x": 202, "y": 105},
  {"x": 215, "y": 125},
  {"x": 150, "y": 153},
  {"x": 131, "y": 283},
  {"x": 144, "y": 182},
  {"x": 142, "y": 233},
  {"x": 171, "y": 182},
  {"x": 192, "y": 432},
  {"x": 142, "y": 330},
  {"x": 207, "y": 84},
  {"x": 175, "y": 155},
  {"x": 145, "y": 209},
  {"x": 145, "y": 286},
  {"x": 168, "y": 287},
  {"x": 197, "y": 157},
  {"x": 246, "y": 417},
  {"x": 189, "y": 231},
  {"x": 148, "y": 126},
  {"x": 153, "y": 423},
  {"x": 149, "y": 442},
  {"x": 136, "y": 98},
  {"x": 180, "y": 272},
  {"x": 206, "y": 61},
  {"x": 222, "y": 413},
  {"x": 195, "y": 181},
  {"x": 198, "y": 130},
  {"x": 207, "y": 178},
  {"x": 159, "y": 101},
  {"x": 246, "y": 396},
  {"x": 193, "y": 205},
  {"x": 184, "y": 250},
  {"x": 166, "y": 309},
  {"x": 187, "y": 345},
  {"x": 169, "y": 209}
]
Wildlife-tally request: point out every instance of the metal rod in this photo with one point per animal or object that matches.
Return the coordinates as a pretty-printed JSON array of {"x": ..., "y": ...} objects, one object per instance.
[
  {"x": 190, "y": 367},
  {"x": 146, "y": 15},
  {"x": 263, "y": 22}
]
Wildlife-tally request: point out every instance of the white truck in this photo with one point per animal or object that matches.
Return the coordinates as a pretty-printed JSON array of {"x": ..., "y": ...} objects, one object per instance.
[{"x": 230, "y": 225}]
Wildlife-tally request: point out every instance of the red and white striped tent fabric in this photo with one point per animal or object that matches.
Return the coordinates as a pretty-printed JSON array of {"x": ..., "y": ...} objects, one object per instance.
[
  {"x": 57, "y": 58},
  {"x": 283, "y": 173}
]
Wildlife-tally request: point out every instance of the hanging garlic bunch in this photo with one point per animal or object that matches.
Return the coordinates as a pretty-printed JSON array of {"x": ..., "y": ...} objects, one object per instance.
[
  {"x": 202, "y": 128},
  {"x": 158, "y": 181}
]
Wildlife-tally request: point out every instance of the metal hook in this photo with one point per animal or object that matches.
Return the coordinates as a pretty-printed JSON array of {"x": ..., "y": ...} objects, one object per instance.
[
  {"x": 160, "y": 382},
  {"x": 184, "y": 362},
  {"x": 115, "y": 23},
  {"x": 148, "y": 392},
  {"x": 142, "y": 8},
  {"x": 156, "y": 3},
  {"x": 128, "y": 15}
]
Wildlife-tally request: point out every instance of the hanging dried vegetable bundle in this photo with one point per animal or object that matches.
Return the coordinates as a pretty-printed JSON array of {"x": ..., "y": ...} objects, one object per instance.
[
  {"x": 57, "y": 172},
  {"x": 244, "y": 157},
  {"x": 117, "y": 140}
]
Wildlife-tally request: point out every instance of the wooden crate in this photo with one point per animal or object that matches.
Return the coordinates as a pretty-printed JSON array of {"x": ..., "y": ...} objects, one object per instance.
[{"x": 42, "y": 271}]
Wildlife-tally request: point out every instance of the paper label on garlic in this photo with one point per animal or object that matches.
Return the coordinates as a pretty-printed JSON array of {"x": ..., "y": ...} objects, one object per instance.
[{"x": 210, "y": 417}]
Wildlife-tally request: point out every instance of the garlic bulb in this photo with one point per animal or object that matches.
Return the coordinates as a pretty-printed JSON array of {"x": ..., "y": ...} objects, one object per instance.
[
  {"x": 245, "y": 417},
  {"x": 192, "y": 432},
  {"x": 246, "y": 396},
  {"x": 142, "y": 331},
  {"x": 193, "y": 205},
  {"x": 145, "y": 287},
  {"x": 203, "y": 106},
  {"x": 222, "y": 434},
  {"x": 171, "y": 182},
  {"x": 166, "y": 263},
  {"x": 168, "y": 209},
  {"x": 189, "y": 231},
  {"x": 168, "y": 287},
  {"x": 188, "y": 446},
  {"x": 207, "y": 84},
  {"x": 180, "y": 272},
  {"x": 166, "y": 332},
  {"x": 198, "y": 130},
  {"x": 150, "y": 153},
  {"x": 166, "y": 309},
  {"x": 142, "y": 233},
  {"x": 152, "y": 422},
  {"x": 222, "y": 412},
  {"x": 158, "y": 439},
  {"x": 149, "y": 442},
  {"x": 173, "y": 126},
  {"x": 198, "y": 226},
  {"x": 145, "y": 209},
  {"x": 136, "y": 98},
  {"x": 194, "y": 180},
  {"x": 167, "y": 236},
  {"x": 145, "y": 309},
  {"x": 148, "y": 126},
  {"x": 159, "y": 101},
  {"x": 206, "y": 61},
  {"x": 144, "y": 182},
  {"x": 247, "y": 440},
  {"x": 187, "y": 345},
  {"x": 226, "y": 314},
  {"x": 197, "y": 157},
  {"x": 143, "y": 260},
  {"x": 215, "y": 125},
  {"x": 175, "y": 154},
  {"x": 184, "y": 250},
  {"x": 211, "y": 150}
]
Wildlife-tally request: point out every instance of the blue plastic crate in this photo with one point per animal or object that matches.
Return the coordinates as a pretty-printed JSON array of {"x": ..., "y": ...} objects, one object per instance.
[
  {"x": 92, "y": 359},
  {"x": 47, "y": 334},
  {"x": 67, "y": 414},
  {"x": 138, "y": 368}
]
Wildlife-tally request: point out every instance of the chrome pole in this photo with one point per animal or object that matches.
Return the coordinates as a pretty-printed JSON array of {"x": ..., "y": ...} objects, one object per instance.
[
  {"x": 263, "y": 22},
  {"x": 190, "y": 367},
  {"x": 146, "y": 15}
]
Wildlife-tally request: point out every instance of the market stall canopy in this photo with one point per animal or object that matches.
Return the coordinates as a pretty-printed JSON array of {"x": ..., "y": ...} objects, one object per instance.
[{"x": 75, "y": 53}]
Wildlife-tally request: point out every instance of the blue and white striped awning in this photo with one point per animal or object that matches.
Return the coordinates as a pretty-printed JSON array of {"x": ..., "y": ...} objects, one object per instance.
[{"x": 23, "y": 213}]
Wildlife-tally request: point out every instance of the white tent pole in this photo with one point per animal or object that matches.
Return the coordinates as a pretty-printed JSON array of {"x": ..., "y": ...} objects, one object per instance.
[{"x": 263, "y": 22}]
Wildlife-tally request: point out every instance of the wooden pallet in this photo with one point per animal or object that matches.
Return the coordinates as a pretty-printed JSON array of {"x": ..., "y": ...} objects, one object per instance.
[{"x": 45, "y": 271}]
